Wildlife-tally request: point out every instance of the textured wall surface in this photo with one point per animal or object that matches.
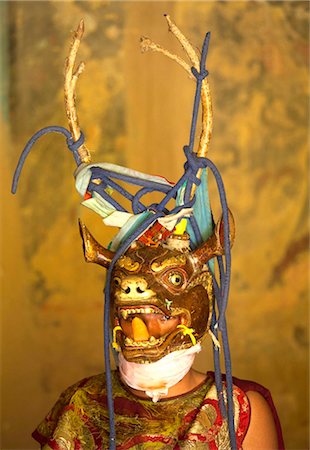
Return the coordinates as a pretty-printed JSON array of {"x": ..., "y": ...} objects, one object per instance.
[{"x": 135, "y": 110}]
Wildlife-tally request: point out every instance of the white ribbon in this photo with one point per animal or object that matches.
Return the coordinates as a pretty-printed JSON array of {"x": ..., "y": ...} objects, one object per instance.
[{"x": 83, "y": 175}]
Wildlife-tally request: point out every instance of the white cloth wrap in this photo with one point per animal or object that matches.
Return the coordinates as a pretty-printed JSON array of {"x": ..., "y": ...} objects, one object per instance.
[
  {"x": 156, "y": 378},
  {"x": 83, "y": 175}
]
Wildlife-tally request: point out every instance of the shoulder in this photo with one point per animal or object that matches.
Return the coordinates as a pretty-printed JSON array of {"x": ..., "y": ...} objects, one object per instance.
[
  {"x": 263, "y": 428},
  {"x": 262, "y": 432},
  {"x": 242, "y": 412},
  {"x": 72, "y": 401},
  {"x": 94, "y": 384}
]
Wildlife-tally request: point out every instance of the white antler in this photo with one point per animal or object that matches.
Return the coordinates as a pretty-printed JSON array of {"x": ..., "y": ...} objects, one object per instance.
[
  {"x": 71, "y": 77},
  {"x": 206, "y": 103}
]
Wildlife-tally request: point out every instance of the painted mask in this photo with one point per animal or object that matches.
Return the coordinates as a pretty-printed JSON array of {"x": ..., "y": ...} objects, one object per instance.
[{"x": 161, "y": 297}]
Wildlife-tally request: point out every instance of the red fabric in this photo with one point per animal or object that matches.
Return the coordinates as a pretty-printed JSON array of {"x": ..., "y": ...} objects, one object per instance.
[{"x": 246, "y": 386}]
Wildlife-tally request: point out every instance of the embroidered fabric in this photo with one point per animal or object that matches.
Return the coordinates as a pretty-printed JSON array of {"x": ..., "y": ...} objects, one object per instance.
[{"x": 79, "y": 420}]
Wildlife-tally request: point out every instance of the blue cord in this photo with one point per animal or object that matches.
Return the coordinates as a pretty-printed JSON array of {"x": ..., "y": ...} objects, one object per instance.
[
  {"x": 73, "y": 146},
  {"x": 106, "y": 322}
]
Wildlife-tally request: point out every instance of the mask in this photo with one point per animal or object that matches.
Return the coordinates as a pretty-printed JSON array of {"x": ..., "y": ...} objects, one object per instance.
[{"x": 161, "y": 298}]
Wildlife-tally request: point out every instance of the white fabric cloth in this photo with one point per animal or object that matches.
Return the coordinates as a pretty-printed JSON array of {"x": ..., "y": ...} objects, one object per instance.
[
  {"x": 83, "y": 175},
  {"x": 156, "y": 378}
]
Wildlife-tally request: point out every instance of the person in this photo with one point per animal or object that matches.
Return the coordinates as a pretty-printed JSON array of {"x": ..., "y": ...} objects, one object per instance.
[
  {"x": 162, "y": 297},
  {"x": 160, "y": 401}
]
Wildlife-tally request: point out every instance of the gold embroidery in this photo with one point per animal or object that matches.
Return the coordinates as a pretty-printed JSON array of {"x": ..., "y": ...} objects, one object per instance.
[{"x": 82, "y": 405}]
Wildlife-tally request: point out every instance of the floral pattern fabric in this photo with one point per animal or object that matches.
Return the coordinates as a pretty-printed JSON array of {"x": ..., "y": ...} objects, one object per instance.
[{"x": 79, "y": 419}]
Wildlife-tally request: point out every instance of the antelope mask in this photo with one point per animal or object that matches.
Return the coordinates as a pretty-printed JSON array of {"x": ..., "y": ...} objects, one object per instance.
[
  {"x": 160, "y": 285},
  {"x": 161, "y": 294},
  {"x": 161, "y": 298}
]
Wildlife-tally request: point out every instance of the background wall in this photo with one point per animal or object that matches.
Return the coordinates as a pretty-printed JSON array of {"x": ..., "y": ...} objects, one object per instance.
[{"x": 135, "y": 110}]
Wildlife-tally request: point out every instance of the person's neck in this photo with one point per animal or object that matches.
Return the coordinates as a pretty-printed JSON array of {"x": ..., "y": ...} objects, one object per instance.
[{"x": 191, "y": 380}]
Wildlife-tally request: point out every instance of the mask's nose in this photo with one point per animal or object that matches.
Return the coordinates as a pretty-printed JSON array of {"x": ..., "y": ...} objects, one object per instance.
[{"x": 135, "y": 288}]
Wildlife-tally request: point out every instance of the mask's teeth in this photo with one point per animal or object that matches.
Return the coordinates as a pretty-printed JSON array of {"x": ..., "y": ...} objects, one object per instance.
[
  {"x": 127, "y": 311},
  {"x": 151, "y": 342},
  {"x": 124, "y": 313}
]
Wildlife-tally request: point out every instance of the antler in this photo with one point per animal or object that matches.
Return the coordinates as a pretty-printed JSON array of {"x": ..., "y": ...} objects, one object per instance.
[
  {"x": 71, "y": 77},
  {"x": 207, "y": 121}
]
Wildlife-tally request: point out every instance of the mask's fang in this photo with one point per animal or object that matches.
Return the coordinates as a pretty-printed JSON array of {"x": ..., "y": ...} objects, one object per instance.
[
  {"x": 188, "y": 332},
  {"x": 114, "y": 343},
  {"x": 139, "y": 329}
]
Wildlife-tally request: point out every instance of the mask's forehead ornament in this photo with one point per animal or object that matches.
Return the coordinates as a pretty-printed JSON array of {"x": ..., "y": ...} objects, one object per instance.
[{"x": 161, "y": 294}]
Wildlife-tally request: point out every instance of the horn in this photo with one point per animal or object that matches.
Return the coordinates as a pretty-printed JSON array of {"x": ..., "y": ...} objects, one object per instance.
[
  {"x": 93, "y": 251},
  {"x": 71, "y": 78},
  {"x": 206, "y": 103},
  {"x": 214, "y": 246}
]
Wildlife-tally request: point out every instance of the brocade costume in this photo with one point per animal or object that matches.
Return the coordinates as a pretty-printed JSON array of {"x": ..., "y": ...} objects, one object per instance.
[{"x": 79, "y": 419}]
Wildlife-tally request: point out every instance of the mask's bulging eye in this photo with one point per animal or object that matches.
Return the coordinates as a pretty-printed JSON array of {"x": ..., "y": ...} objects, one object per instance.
[
  {"x": 176, "y": 279},
  {"x": 116, "y": 281}
]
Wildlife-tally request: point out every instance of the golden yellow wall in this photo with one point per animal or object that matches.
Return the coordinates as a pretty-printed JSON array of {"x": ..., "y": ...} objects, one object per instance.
[{"x": 135, "y": 110}]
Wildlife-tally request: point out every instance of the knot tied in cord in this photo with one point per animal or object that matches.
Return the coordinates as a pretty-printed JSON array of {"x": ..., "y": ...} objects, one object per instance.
[
  {"x": 193, "y": 161},
  {"x": 73, "y": 146},
  {"x": 200, "y": 76}
]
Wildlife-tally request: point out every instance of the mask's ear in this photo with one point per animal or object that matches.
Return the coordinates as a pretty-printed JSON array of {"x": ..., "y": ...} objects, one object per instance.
[
  {"x": 214, "y": 246},
  {"x": 93, "y": 251}
]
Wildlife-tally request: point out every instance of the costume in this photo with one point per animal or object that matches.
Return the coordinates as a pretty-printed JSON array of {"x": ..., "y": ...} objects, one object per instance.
[
  {"x": 162, "y": 295},
  {"x": 192, "y": 420}
]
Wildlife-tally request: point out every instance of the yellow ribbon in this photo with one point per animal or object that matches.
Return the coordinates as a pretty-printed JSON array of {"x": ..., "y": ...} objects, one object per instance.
[
  {"x": 188, "y": 332},
  {"x": 114, "y": 343}
]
